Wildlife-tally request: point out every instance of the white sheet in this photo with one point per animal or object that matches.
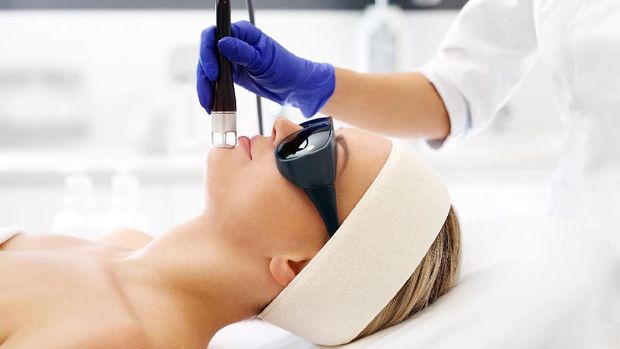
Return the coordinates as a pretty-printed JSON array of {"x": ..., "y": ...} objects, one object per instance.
[{"x": 526, "y": 282}]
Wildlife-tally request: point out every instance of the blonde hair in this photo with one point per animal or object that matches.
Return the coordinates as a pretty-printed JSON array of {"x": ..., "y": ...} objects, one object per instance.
[{"x": 436, "y": 274}]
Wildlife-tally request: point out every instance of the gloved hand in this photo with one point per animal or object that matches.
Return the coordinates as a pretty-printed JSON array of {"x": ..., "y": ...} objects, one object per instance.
[{"x": 264, "y": 67}]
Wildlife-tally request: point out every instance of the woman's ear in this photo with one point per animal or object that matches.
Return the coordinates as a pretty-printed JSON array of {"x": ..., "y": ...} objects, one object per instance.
[{"x": 284, "y": 269}]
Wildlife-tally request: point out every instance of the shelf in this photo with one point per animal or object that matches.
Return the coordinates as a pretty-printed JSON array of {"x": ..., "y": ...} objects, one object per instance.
[{"x": 203, "y": 4}]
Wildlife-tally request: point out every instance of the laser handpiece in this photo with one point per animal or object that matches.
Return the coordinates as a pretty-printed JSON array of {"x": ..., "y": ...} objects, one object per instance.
[{"x": 224, "y": 111}]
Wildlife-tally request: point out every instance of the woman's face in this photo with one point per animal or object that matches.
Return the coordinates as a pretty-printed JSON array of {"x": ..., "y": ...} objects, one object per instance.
[{"x": 264, "y": 210}]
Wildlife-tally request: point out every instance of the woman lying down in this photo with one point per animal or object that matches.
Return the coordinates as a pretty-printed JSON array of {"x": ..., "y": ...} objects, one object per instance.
[{"x": 278, "y": 240}]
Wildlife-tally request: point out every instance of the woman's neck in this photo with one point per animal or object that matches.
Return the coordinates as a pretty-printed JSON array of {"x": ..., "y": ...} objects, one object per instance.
[{"x": 190, "y": 283}]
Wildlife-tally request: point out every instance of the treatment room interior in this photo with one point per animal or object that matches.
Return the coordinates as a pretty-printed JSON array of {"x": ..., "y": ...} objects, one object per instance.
[{"x": 100, "y": 126}]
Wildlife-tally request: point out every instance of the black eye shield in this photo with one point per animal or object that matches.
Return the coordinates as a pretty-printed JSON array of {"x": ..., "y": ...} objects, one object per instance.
[{"x": 307, "y": 158}]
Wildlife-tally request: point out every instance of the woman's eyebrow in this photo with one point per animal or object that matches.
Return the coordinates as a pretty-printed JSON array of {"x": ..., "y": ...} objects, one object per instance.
[{"x": 342, "y": 141}]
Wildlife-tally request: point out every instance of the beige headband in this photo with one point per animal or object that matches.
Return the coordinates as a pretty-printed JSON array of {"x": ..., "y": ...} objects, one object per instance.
[{"x": 377, "y": 248}]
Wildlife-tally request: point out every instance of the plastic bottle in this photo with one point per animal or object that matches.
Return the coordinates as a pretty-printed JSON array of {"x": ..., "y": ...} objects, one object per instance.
[
  {"x": 125, "y": 210},
  {"x": 380, "y": 39},
  {"x": 78, "y": 217}
]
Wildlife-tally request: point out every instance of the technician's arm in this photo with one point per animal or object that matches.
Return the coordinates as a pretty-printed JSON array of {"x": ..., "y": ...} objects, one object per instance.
[
  {"x": 398, "y": 104},
  {"x": 404, "y": 105}
]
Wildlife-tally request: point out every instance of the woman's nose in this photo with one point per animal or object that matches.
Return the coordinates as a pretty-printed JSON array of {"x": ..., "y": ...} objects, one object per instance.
[{"x": 282, "y": 128}]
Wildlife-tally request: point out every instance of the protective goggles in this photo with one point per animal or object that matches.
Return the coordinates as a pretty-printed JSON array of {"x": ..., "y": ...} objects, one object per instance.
[{"x": 307, "y": 158}]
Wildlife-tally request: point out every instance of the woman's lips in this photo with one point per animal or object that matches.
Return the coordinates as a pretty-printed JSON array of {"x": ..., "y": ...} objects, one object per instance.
[{"x": 246, "y": 144}]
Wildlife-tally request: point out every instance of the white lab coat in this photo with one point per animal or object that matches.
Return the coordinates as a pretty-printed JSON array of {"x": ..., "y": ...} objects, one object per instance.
[{"x": 489, "y": 49}]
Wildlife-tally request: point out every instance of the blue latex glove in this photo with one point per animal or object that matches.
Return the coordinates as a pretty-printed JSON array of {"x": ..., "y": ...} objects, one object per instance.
[{"x": 265, "y": 68}]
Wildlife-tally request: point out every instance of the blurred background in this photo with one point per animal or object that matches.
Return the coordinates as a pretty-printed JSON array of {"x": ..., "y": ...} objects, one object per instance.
[{"x": 100, "y": 127}]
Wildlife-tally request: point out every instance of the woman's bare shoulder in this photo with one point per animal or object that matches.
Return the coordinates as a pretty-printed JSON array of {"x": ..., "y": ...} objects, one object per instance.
[
  {"x": 126, "y": 239},
  {"x": 61, "y": 243},
  {"x": 42, "y": 242}
]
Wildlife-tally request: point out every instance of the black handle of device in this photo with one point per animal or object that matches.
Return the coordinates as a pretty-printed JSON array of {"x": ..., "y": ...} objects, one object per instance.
[{"x": 224, "y": 92}]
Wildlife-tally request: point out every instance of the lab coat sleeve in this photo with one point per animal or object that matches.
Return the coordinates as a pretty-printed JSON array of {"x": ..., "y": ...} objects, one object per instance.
[{"x": 481, "y": 62}]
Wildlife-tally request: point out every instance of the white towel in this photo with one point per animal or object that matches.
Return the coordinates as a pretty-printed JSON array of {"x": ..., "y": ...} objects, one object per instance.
[{"x": 8, "y": 233}]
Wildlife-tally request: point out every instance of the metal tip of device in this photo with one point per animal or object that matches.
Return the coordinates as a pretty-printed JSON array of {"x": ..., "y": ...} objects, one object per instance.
[
  {"x": 224, "y": 129},
  {"x": 224, "y": 140}
]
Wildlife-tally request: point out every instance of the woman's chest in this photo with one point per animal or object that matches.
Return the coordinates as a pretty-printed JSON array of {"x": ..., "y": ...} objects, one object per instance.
[{"x": 48, "y": 294}]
